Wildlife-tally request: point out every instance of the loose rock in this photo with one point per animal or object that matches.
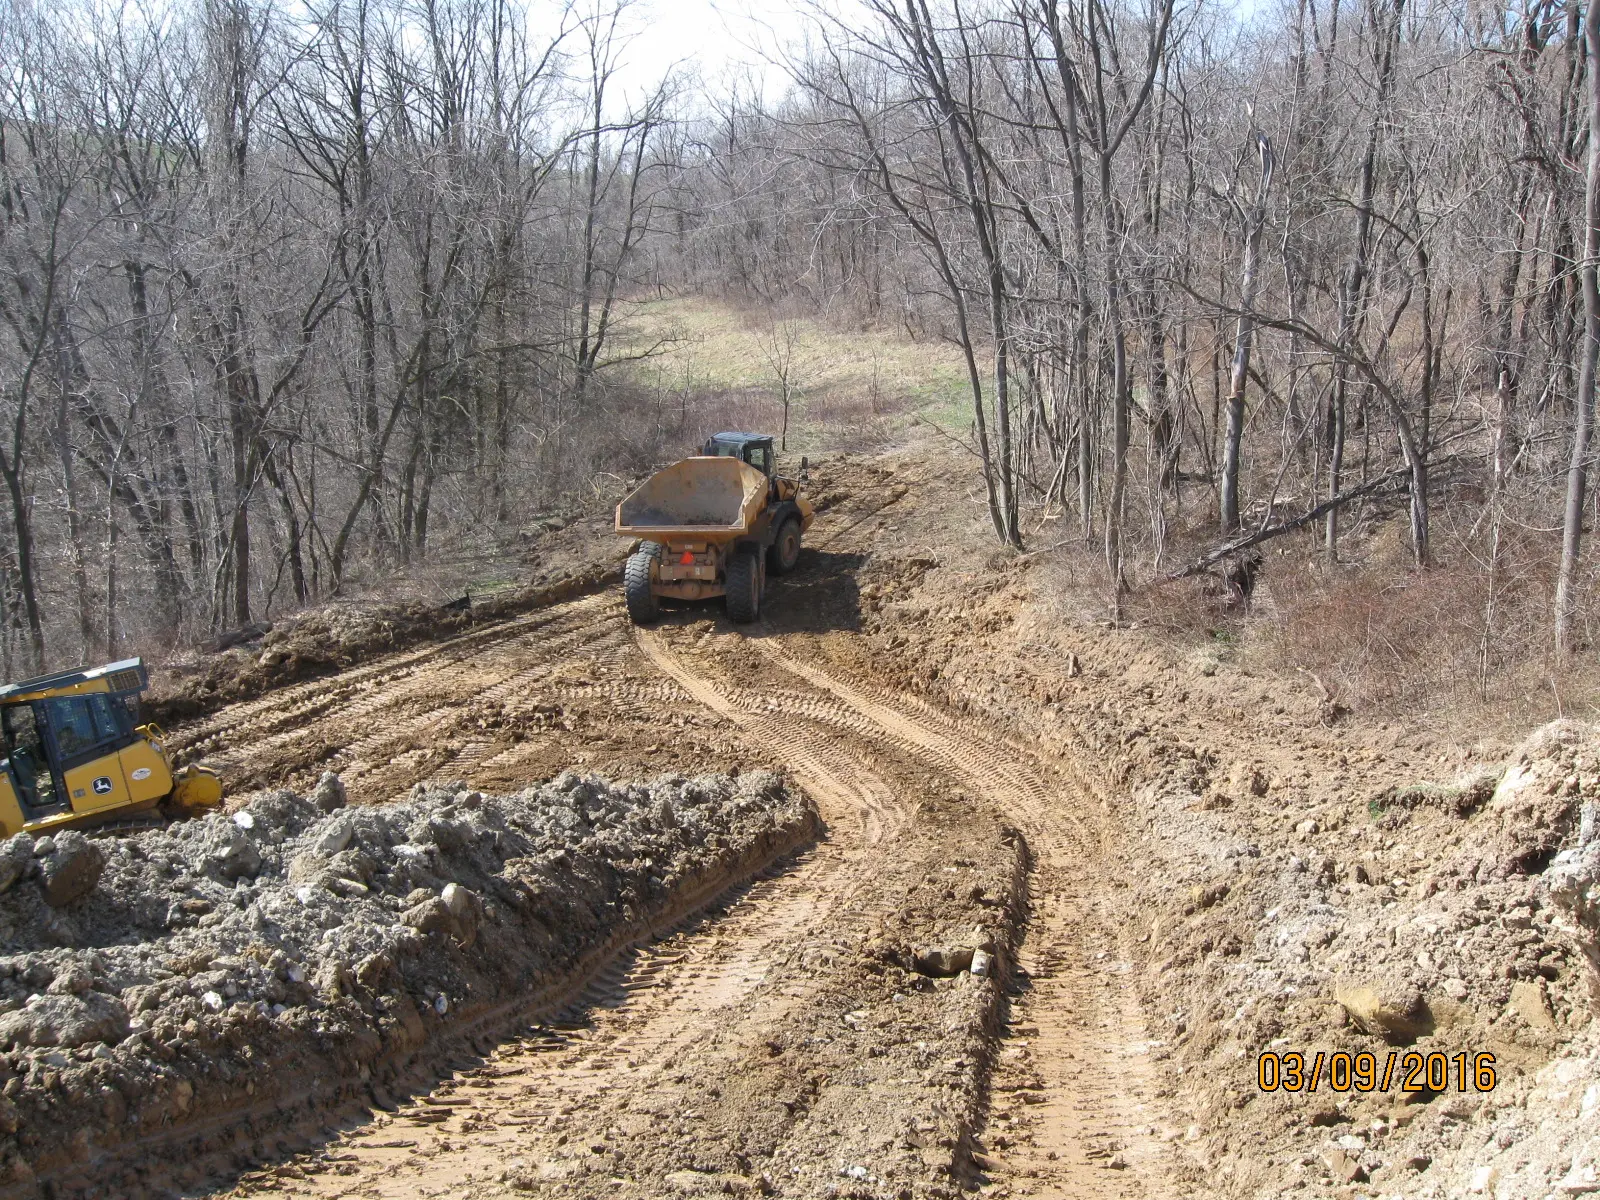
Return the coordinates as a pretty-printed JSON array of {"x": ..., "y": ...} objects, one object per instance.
[{"x": 71, "y": 868}]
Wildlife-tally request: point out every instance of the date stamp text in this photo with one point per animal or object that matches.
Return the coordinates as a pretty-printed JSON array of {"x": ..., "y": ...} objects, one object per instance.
[{"x": 1408, "y": 1072}]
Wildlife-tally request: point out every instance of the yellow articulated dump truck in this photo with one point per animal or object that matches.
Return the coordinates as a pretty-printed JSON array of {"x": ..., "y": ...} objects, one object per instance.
[
  {"x": 76, "y": 754},
  {"x": 713, "y": 525}
]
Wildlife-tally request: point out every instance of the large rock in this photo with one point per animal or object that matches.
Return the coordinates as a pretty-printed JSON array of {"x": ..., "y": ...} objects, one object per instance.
[
  {"x": 1528, "y": 1001},
  {"x": 309, "y": 867},
  {"x": 944, "y": 960},
  {"x": 1396, "y": 1015},
  {"x": 230, "y": 852},
  {"x": 16, "y": 858},
  {"x": 65, "y": 1020},
  {"x": 465, "y": 907},
  {"x": 71, "y": 869},
  {"x": 1535, "y": 809},
  {"x": 329, "y": 794},
  {"x": 429, "y": 916},
  {"x": 335, "y": 836},
  {"x": 454, "y": 912},
  {"x": 459, "y": 900}
]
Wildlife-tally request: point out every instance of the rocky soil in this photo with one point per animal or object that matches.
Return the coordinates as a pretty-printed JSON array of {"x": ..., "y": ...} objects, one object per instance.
[
  {"x": 217, "y": 985},
  {"x": 1307, "y": 880},
  {"x": 1073, "y": 883}
]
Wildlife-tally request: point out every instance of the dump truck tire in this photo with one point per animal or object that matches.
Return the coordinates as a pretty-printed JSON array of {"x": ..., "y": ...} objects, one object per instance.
[
  {"x": 744, "y": 587},
  {"x": 784, "y": 553},
  {"x": 643, "y": 605}
]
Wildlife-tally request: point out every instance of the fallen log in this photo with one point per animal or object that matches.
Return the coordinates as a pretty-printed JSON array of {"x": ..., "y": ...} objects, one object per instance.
[{"x": 1401, "y": 475}]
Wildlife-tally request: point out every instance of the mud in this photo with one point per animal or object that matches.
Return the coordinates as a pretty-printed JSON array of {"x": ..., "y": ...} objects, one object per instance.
[
  {"x": 1164, "y": 863},
  {"x": 233, "y": 978}
]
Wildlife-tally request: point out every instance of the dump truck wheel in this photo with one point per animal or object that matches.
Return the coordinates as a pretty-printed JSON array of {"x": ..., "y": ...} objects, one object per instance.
[
  {"x": 784, "y": 552},
  {"x": 637, "y": 579},
  {"x": 744, "y": 587}
]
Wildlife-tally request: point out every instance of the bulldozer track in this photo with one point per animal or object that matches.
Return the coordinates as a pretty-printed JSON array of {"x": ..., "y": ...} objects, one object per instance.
[{"x": 842, "y": 786}]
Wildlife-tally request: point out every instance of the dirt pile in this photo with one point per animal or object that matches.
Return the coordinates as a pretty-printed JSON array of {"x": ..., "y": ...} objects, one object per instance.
[
  {"x": 231, "y": 978},
  {"x": 322, "y": 640},
  {"x": 1534, "y": 1134},
  {"x": 1411, "y": 920}
]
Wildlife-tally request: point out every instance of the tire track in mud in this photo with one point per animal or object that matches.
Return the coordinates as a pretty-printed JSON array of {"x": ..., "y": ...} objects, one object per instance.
[
  {"x": 648, "y": 1012},
  {"x": 841, "y": 785},
  {"x": 378, "y": 725},
  {"x": 1071, "y": 1112},
  {"x": 1070, "y": 1089},
  {"x": 285, "y": 708},
  {"x": 644, "y": 1016}
]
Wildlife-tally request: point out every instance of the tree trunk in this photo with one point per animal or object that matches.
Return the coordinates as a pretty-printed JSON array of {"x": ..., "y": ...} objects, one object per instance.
[
  {"x": 22, "y": 523},
  {"x": 1353, "y": 283},
  {"x": 1255, "y": 220},
  {"x": 1578, "y": 470},
  {"x": 69, "y": 481}
]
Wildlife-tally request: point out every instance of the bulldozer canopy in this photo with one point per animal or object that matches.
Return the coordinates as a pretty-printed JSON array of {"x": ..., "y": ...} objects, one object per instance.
[{"x": 127, "y": 676}]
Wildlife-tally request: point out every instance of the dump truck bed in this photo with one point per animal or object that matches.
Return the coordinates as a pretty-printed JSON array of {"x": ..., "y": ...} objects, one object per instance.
[{"x": 712, "y": 499}]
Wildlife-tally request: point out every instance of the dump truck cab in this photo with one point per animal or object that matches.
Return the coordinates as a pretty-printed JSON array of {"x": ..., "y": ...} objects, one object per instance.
[
  {"x": 752, "y": 448},
  {"x": 755, "y": 450},
  {"x": 75, "y": 752},
  {"x": 713, "y": 525}
]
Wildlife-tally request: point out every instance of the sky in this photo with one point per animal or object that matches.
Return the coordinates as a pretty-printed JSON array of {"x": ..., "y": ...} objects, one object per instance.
[
  {"x": 715, "y": 33},
  {"x": 722, "y": 38},
  {"x": 716, "y": 38}
]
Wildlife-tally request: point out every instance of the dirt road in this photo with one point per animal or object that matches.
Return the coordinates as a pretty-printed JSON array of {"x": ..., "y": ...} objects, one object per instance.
[
  {"x": 762, "y": 1045},
  {"x": 1179, "y": 863}
]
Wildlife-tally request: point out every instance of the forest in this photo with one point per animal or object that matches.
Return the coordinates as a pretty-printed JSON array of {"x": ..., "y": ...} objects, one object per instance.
[{"x": 291, "y": 292}]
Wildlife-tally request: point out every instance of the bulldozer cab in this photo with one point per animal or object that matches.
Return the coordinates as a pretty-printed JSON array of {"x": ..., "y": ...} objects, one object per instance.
[
  {"x": 45, "y": 739},
  {"x": 752, "y": 448},
  {"x": 74, "y": 749}
]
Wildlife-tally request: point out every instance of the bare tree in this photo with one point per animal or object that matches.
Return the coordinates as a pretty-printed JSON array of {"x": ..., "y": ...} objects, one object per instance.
[
  {"x": 1583, "y": 417},
  {"x": 1253, "y": 221},
  {"x": 779, "y": 339}
]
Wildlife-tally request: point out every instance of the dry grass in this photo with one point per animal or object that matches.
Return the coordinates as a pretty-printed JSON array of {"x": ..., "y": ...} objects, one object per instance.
[
  {"x": 1465, "y": 646},
  {"x": 1468, "y": 641},
  {"x": 852, "y": 388}
]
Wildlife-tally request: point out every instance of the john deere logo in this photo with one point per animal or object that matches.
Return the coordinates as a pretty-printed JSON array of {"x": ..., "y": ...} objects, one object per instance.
[{"x": 101, "y": 786}]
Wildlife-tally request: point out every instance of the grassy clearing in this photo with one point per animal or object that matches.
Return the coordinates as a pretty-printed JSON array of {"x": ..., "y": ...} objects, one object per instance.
[{"x": 847, "y": 385}]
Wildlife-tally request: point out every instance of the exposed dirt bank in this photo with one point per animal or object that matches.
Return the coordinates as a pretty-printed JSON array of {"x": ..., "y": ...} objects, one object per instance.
[
  {"x": 324, "y": 640},
  {"x": 235, "y": 978},
  {"x": 1194, "y": 864},
  {"x": 1302, "y": 880}
]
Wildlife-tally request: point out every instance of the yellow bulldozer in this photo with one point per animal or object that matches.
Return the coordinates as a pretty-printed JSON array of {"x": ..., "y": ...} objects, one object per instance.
[
  {"x": 76, "y": 753},
  {"x": 713, "y": 525}
]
